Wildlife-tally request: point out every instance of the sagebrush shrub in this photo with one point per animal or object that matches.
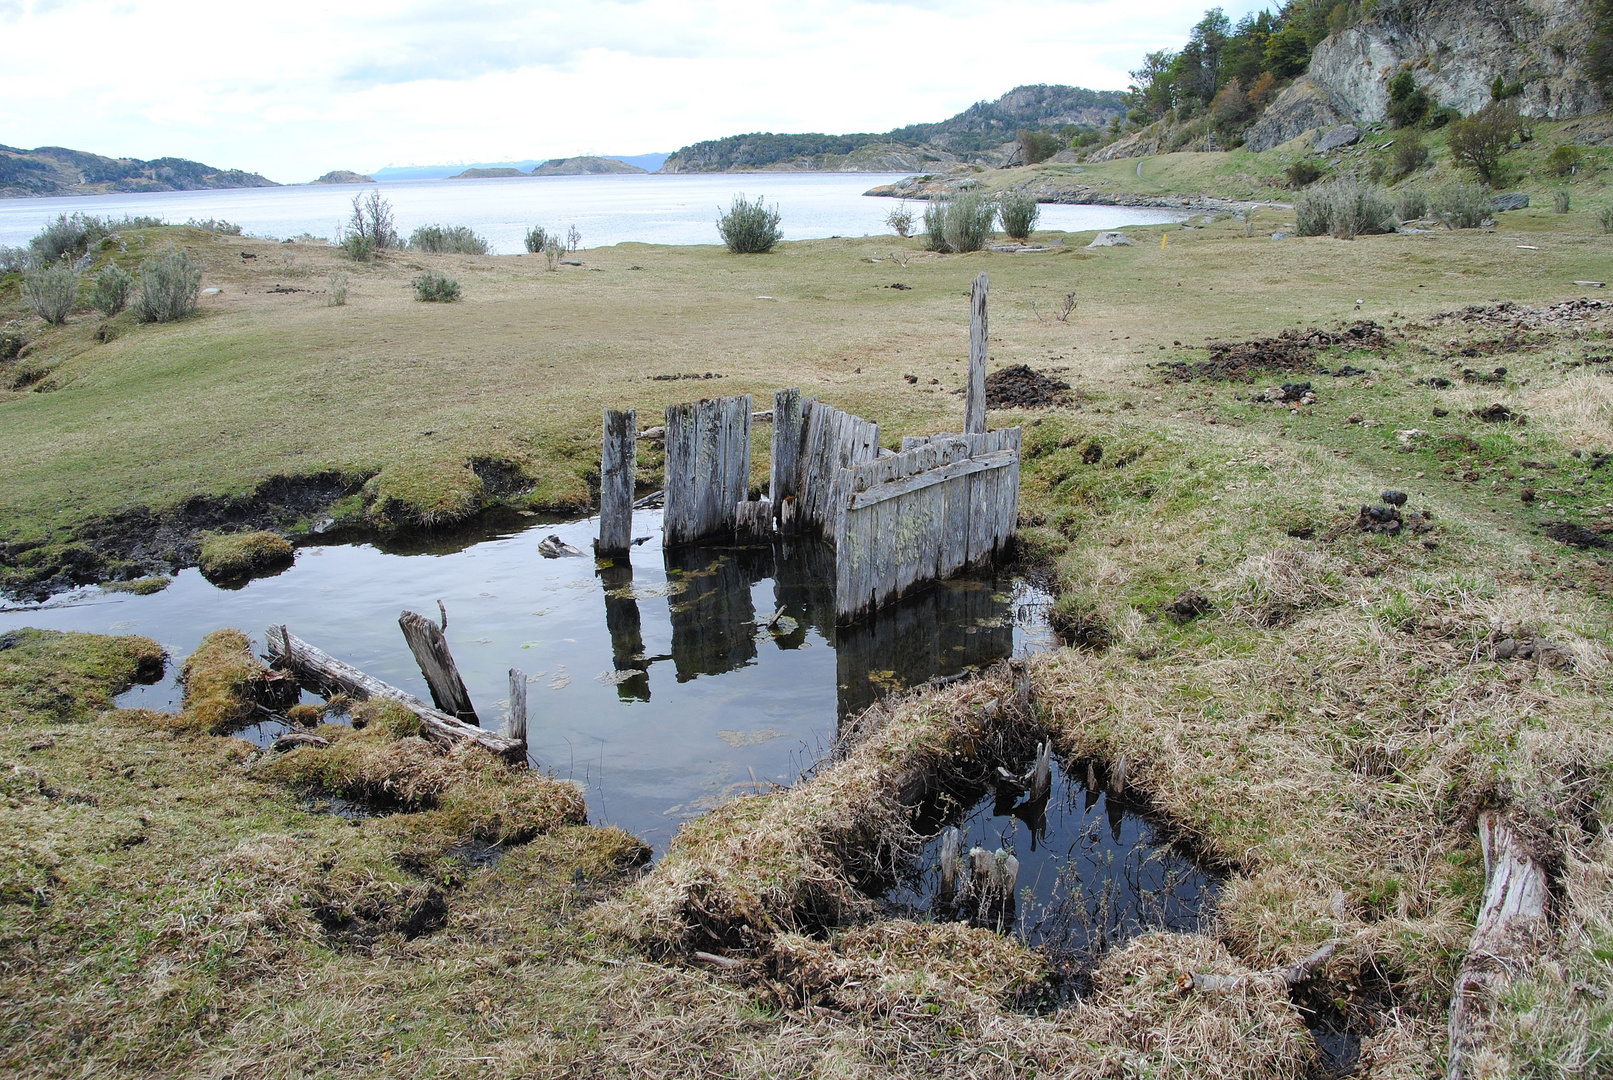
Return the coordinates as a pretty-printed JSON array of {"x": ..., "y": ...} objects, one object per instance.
[
  {"x": 969, "y": 221},
  {"x": 1344, "y": 208},
  {"x": 51, "y": 291},
  {"x": 1302, "y": 173},
  {"x": 67, "y": 235},
  {"x": 1563, "y": 160},
  {"x": 537, "y": 238},
  {"x": 112, "y": 288},
  {"x": 1559, "y": 201},
  {"x": 749, "y": 228},
  {"x": 935, "y": 225},
  {"x": 1019, "y": 212},
  {"x": 1604, "y": 218},
  {"x": 1411, "y": 204},
  {"x": 338, "y": 288},
  {"x": 447, "y": 240},
  {"x": 900, "y": 220},
  {"x": 433, "y": 287},
  {"x": 170, "y": 284},
  {"x": 1461, "y": 205},
  {"x": 1410, "y": 155}
]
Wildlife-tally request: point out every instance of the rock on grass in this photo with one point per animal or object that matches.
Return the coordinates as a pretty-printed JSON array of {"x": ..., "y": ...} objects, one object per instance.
[{"x": 233, "y": 556}]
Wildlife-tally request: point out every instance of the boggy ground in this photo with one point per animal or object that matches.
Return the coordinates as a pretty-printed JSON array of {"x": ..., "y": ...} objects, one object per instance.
[{"x": 1323, "y": 721}]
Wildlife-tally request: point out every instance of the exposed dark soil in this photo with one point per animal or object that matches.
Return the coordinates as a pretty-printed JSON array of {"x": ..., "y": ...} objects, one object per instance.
[
  {"x": 141, "y": 541},
  {"x": 1290, "y": 351},
  {"x": 1021, "y": 387},
  {"x": 1565, "y": 532}
]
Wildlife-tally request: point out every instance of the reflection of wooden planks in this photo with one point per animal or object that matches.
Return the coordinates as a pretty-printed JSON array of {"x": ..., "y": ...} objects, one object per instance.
[
  {"x": 618, "y": 466},
  {"x": 942, "y": 506},
  {"x": 430, "y": 650},
  {"x": 707, "y": 467},
  {"x": 833, "y": 441},
  {"x": 320, "y": 671}
]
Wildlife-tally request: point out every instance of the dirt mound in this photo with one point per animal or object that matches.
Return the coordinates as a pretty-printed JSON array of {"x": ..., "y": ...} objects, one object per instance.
[
  {"x": 1292, "y": 350},
  {"x": 1020, "y": 387},
  {"x": 1511, "y": 315}
]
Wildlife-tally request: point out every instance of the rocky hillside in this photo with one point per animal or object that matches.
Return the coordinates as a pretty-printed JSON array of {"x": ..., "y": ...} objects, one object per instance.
[
  {"x": 1455, "y": 51},
  {"x": 981, "y": 133},
  {"x": 55, "y": 170},
  {"x": 584, "y": 166}
]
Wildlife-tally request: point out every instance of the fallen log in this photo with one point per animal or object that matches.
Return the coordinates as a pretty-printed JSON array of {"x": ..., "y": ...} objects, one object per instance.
[
  {"x": 1283, "y": 978},
  {"x": 323, "y": 673},
  {"x": 1512, "y": 914}
]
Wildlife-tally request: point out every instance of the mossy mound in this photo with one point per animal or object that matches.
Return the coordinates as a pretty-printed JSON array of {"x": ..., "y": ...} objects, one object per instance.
[
  {"x": 224, "y": 683},
  {"x": 236, "y": 556},
  {"x": 424, "y": 494}
]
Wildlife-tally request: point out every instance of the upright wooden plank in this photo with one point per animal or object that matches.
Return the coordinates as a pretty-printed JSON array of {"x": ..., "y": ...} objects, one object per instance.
[
  {"x": 707, "y": 467},
  {"x": 430, "y": 650},
  {"x": 784, "y": 466},
  {"x": 679, "y": 513},
  {"x": 515, "y": 727},
  {"x": 618, "y": 466},
  {"x": 974, "y": 406}
]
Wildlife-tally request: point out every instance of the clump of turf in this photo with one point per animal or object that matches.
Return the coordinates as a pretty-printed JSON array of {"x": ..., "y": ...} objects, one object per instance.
[
  {"x": 145, "y": 586},
  {"x": 70, "y": 676},
  {"x": 423, "y": 494},
  {"x": 384, "y": 760},
  {"x": 234, "y": 556},
  {"x": 224, "y": 683}
]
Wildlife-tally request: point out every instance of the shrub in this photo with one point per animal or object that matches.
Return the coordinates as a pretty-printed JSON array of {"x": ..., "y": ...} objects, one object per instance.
[
  {"x": 552, "y": 250},
  {"x": 112, "y": 289},
  {"x": 1409, "y": 105},
  {"x": 1410, "y": 155},
  {"x": 935, "y": 226},
  {"x": 1481, "y": 141},
  {"x": 749, "y": 228},
  {"x": 574, "y": 238},
  {"x": 1038, "y": 146},
  {"x": 1231, "y": 107},
  {"x": 1604, "y": 218},
  {"x": 69, "y": 236},
  {"x": 1411, "y": 204},
  {"x": 1343, "y": 208},
  {"x": 1559, "y": 201},
  {"x": 370, "y": 228},
  {"x": 1019, "y": 212},
  {"x": 338, "y": 288},
  {"x": 216, "y": 225},
  {"x": 969, "y": 220},
  {"x": 447, "y": 240},
  {"x": 1564, "y": 160},
  {"x": 1462, "y": 206},
  {"x": 433, "y": 287},
  {"x": 900, "y": 220},
  {"x": 169, "y": 286},
  {"x": 1303, "y": 173},
  {"x": 537, "y": 238},
  {"x": 51, "y": 291},
  {"x": 13, "y": 260}
]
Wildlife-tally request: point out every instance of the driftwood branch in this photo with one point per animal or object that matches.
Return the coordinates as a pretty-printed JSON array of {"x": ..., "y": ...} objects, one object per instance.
[
  {"x": 1283, "y": 978},
  {"x": 1510, "y": 919},
  {"x": 322, "y": 672}
]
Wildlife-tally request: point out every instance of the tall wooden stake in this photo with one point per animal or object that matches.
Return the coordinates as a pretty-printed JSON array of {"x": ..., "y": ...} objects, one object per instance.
[
  {"x": 430, "y": 650},
  {"x": 974, "y": 402},
  {"x": 784, "y": 469},
  {"x": 618, "y": 465},
  {"x": 516, "y": 730}
]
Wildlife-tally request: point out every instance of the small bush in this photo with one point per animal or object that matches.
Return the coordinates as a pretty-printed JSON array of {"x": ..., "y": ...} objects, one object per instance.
[
  {"x": 1038, "y": 146},
  {"x": 1410, "y": 155},
  {"x": 537, "y": 238},
  {"x": 1302, "y": 173},
  {"x": 1481, "y": 141},
  {"x": 900, "y": 220},
  {"x": 1604, "y": 218},
  {"x": 13, "y": 260},
  {"x": 749, "y": 228},
  {"x": 935, "y": 226},
  {"x": 573, "y": 239},
  {"x": 170, "y": 284},
  {"x": 356, "y": 246},
  {"x": 1564, "y": 160},
  {"x": 51, "y": 291},
  {"x": 1019, "y": 212},
  {"x": 1559, "y": 201},
  {"x": 112, "y": 289},
  {"x": 216, "y": 225},
  {"x": 1411, "y": 204},
  {"x": 68, "y": 236},
  {"x": 1409, "y": 104},
  {"x": 553, "y": 248},
  {"x": 370, "y": 228},
  {"x": 447, "y": 240},
  {"x": 969, "y": 220},
  {"x": 1343, "y": 208},
  {"x": 1462, "y": 206},
  {"x": 434, "y": 288},
  {"x": 338, "y": 288}
]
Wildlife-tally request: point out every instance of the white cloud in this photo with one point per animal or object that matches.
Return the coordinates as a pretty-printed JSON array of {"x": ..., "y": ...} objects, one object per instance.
[{"x": 306, "y": 86}]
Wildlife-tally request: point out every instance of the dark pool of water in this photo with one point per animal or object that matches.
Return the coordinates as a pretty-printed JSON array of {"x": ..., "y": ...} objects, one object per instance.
[
  {"x": 656, "y": 685},
  {"x": 1095, "y": 869}
]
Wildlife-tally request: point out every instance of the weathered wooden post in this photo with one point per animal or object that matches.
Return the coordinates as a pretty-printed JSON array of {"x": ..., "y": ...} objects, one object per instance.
[
  {"x": 515, "y": 729},
  {"x": 753, "y": 522},
  {"x": 974, "y": 402},
  {"x": 618, "y": 466},
  {"x": 430, "y": 650},
  {"x": 707, "y": 467},
  {"x": 1042, "y": 774},
  {"x": 951, "y": 845},
  {"x": 784, "y": 468}
]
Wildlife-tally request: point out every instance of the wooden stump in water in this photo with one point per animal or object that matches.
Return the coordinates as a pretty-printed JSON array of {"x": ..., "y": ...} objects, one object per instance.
[
  {"x": 618, "y": 466},
  {"x": 974, "y": 402},
  {"x": 784, "y": 468},
  {"x": 707, "y": 468},
  {"x": 430, "y": 650},
  {"x": 753, "y": 522},
  {"x": 515, "y": 729}
]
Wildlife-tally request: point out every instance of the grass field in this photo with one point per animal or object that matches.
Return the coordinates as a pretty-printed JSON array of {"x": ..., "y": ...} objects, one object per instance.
[{"x": 169, "y": 905}]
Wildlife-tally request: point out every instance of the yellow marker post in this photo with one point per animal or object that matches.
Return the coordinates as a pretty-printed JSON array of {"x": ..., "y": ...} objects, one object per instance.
[{"x": 1162, "y": 238}]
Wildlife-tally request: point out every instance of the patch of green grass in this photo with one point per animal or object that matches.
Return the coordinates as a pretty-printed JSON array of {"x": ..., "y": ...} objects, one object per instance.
[{"x": 234, "y": 556}]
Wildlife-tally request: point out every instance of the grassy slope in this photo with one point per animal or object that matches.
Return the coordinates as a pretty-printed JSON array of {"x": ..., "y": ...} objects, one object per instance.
[{"x": 1323, "y": 731}]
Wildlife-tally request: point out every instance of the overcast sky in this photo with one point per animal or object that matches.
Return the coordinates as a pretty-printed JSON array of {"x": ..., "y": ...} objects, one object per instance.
[{"x": 294, "y": 88}]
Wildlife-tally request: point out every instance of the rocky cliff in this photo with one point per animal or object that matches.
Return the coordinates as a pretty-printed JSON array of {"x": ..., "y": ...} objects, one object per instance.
[{"x": 56, "y": 170}]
